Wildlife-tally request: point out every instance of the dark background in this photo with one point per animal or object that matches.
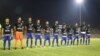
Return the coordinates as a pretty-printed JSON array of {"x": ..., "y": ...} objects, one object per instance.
[{"x": 62, "y": 10}]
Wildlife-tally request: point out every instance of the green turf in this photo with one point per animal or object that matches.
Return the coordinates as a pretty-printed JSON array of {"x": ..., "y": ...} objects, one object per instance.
[{"x": 81, "y": 50}]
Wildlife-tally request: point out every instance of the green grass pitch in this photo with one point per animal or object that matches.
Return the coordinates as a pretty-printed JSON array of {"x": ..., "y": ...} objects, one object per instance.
[{"x": 81, "y": 50}]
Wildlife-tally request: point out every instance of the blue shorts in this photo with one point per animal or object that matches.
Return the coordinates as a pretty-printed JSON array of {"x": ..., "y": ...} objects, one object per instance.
[
  {"x": 29, "y": 35},
  {"x": 64, "y": 37},
  {"x": 47, "y": 36},
  {"x": 69, "y": 36},
  {"x": 83, "y": 34},
  {"x": 56, "y": 36},
  {"x": 88, "y": 35},
  {"x": 76, "y": 36},
  {"x": 38, "y": 36},
  {"x": 7, "y": 37}
]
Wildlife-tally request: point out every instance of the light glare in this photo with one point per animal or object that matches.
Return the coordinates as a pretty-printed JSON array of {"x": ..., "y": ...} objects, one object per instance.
[{"x": 79, "y": 1}]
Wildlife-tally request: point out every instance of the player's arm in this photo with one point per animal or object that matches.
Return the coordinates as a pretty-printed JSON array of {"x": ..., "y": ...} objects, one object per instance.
[
  {"x": 25, "y": 29},
  {"x": 12, "y": 33},
  {"x": 33, "y": 29},
  {"x": 14, "y": 28},
  {"x": 41, "y": 30}
]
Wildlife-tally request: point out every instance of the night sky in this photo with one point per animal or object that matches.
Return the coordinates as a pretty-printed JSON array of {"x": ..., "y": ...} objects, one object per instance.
[{"x": 62, "y": 10}]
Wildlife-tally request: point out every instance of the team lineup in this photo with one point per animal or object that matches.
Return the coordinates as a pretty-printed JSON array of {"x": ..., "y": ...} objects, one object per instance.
[{"x": 69, "y": 34}]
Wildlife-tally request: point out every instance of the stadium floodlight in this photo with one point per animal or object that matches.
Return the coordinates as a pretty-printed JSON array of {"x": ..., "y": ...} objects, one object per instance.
[{"x": 79, "y": 1}]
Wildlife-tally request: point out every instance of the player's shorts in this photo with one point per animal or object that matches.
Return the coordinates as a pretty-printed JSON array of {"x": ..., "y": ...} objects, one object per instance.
[
  {"x": 56, "y": 36},
  {"x": 38, "y": 36},
  {"x": 47, "y": 36},
  {"x": 64, "y": 37},
  {"x": 19, "y": 35},
  {"x": 69, "y": 36},
  {"x": 7, "y": 37},
  {"x": 88, "y": 35},
  {"x": 76, "y": 35},
  {"x": 83, "y": 33},
  {"x": 30, "y": 35}
]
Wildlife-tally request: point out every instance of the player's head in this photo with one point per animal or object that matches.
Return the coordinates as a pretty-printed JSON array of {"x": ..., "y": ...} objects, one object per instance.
[
  {"x": 7, "y": 20},
  {"x": 47, "y": 22},
  {"x": 38, "y": 22},
  {"x": 56, "y": 22},
  {"x": 30, "y": 20},
  {"x": 76, "y": 25},
  {"x": 64, "y": 25},
  {"x": 19, "y": 19}
]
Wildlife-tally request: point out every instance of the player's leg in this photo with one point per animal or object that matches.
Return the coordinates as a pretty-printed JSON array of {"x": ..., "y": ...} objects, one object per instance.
[
  {"x": 74, "y": 39},
  {"x": 77, "y": 40},
  {"x": 21, "y": 39},
  {"x": 65, "y": 42},
  {"x": 71, "y": 40},
  {"x": 4, "y": 43},
  {"x": 31, "y": 37},
  {"x": 49, "y": 41},
  {"x": 68, "y": 40},
  {"x": 36, "y": 41},
  {"x": 45, "y": 38},
  {"x": 16, "y": 39},
  {"x": 57, "y": 40},
  {"x": 27, "y": 40},
  {"x": 9, "y": 42},
  {"x": 87, "y": 39},
  {"x": 48, "y": 38},
  {"x": 40, "y": 38},
  {"x": 53, "y": 41},
  {"x": 83, "y": 38},
  {"x": 61, "y": 40}
]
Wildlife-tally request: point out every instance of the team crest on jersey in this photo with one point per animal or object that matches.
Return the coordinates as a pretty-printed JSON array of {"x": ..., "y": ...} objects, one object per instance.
[
  {"x": 38, "y": 28},
  {"x": 30, "y": 26},
  {"x": 7, "y": 27}
]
